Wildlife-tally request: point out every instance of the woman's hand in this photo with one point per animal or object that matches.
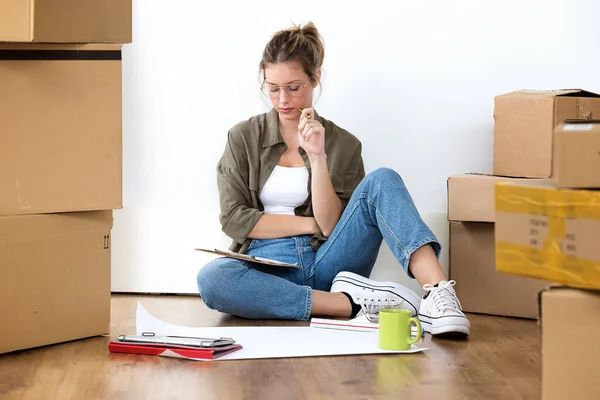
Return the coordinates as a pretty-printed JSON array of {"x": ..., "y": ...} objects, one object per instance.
[{"x": 311, "y": 134}]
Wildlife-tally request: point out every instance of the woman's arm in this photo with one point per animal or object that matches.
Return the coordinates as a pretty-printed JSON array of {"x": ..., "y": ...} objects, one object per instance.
[{"x": 327, "y": 207}]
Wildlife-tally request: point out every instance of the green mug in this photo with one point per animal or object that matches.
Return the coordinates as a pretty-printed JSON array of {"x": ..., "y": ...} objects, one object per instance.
[{"x": 394, "y": 329}]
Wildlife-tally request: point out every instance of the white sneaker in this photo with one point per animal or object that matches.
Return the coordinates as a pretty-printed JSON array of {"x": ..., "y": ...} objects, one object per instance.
[
  {"x": 441, "y": 312},
  {"x": 373, "y": 296}
]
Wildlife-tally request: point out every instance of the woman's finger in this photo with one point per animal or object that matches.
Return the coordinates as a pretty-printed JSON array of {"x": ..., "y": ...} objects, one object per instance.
[
  {"x": 302, "y": 124},
  {"x": 302, "y": 135},
  {"x": 313, "y": 124},
  {"x": 308, "y": 135},
  {"x": 307, "y": 113},
  {"x": 307, "y": 128}
]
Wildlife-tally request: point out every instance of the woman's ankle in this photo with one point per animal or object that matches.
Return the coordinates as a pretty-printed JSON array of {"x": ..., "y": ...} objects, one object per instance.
[
  {"x": 331, "y": 304},
  {"x": 425, "y": 266}
]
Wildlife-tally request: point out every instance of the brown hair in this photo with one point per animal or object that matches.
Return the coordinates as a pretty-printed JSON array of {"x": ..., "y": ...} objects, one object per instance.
[{"x": 303, "y": 44}]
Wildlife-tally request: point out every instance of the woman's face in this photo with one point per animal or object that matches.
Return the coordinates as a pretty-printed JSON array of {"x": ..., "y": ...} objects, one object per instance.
[{"x": 289, "y": 89}]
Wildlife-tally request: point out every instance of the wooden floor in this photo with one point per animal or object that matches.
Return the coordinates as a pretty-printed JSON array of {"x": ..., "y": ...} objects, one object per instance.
[{"x": 500, "y": 360}]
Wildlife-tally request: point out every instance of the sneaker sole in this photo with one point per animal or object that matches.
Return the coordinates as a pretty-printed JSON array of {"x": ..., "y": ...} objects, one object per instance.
[
  {"x": 449, "y": 329},
  {"x": 406, "y": 294}
]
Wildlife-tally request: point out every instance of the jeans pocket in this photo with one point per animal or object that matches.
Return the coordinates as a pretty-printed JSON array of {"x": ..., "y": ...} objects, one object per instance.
[{"x": 251, "y": 245}]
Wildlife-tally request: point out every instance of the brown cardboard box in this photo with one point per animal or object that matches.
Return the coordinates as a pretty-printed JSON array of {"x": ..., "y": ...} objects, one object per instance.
[
  {"x": 471, "y": 197},
  {"x": 55, "y": 284},
  {"x": 576, "y": 156},
  {"x": 61, "y": 128},
  {"x": 479, "y": 287},
  {"x": 66, "y": 21},
  {"x": 524, "y": 123},
  {"x": 548, "y": 233},
  {"x": 570, "y": 321}
]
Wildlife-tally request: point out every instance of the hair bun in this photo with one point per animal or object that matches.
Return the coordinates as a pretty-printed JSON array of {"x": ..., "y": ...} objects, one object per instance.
[
  {"x": 310, "y": 32},
  {"x": 301, "y": 43}
]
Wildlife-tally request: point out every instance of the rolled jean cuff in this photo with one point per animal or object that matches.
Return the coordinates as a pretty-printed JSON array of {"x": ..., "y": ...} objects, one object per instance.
[
  {"x": 308, "y": 304},
  {"x": 435, "y": 244}
]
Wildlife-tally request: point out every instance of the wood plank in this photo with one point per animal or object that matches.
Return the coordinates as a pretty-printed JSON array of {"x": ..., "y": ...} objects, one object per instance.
[{"x": 501, "y": 360}]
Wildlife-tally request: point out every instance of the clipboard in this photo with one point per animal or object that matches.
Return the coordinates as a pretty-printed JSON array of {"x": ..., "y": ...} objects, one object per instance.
[{"x": 246, "y": 257}]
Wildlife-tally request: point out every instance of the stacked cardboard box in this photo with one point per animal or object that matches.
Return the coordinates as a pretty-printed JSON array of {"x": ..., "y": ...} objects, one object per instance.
[
  {"x": 549, "y": 229},
  {"x": 523, "y": 144},
  {"x": 480, "y": 287},
  {"x": 60, "y": 166}
]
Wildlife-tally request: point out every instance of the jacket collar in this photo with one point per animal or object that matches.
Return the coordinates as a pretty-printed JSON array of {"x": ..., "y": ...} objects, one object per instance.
[{"x": 273, "y": 136}]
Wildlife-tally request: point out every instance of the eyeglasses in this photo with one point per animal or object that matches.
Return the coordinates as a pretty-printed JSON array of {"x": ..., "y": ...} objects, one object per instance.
[{"x": 293, "y": 90}]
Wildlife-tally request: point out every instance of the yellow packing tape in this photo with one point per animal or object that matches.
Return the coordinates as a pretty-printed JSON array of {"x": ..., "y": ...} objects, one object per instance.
[
  {"x": 548, "y": 201},
  {"x": 548, "y": 264}
]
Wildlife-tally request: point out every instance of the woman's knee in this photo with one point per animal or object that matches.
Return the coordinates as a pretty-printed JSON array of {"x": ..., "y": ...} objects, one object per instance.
[
  {"x": 385, "y": 175},
  {"x": 212, "y": 278}
]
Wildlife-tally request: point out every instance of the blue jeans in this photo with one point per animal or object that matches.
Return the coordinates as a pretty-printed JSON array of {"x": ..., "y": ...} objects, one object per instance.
[{"x": 380, "y": 208}]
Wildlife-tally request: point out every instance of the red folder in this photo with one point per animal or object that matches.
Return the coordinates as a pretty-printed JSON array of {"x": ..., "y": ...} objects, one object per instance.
[{"x": 188, "y": 353}]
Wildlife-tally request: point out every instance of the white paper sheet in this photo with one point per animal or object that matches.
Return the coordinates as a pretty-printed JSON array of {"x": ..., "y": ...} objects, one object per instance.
[{"x": 273, "y": 342}]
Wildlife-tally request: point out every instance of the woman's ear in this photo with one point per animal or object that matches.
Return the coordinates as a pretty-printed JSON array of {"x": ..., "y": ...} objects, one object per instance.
[{"x": 318, "y": 76}]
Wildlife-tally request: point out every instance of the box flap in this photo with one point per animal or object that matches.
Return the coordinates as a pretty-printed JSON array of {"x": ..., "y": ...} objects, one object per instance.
[
  {"x": 471, "y": 196},
  {"x": 537, "y": 183},
  {"x": 578, "y": 93},
  {"x": 549, "y": 185},
  {"x": 32, "y": 227},
  {"x": 576, "y": 155},
  {"x": 550, "y": 93}
]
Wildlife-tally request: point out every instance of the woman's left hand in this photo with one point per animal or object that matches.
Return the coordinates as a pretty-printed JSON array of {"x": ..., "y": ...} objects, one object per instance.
[{"x": 311, "y": 134}]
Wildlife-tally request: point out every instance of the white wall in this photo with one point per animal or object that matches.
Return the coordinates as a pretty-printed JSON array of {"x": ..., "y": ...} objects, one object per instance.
[{"x": 414, "y": 80}]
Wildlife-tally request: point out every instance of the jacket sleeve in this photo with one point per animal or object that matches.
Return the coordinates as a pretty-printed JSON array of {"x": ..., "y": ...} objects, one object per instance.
[
  {"x": 353, "y": 176},
  {"x": 237, "y": 216}
]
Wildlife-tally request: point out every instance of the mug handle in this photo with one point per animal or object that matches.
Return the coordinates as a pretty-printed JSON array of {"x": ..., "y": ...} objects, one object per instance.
[{"x": 419, "y": 330}]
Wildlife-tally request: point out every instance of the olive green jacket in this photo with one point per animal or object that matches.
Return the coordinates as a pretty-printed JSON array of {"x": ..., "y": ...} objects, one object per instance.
[{"x": 253, "y": 149}]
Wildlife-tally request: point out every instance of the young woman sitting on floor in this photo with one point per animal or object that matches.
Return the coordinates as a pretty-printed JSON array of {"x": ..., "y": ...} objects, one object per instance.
[{"x": 292, "y": 187}]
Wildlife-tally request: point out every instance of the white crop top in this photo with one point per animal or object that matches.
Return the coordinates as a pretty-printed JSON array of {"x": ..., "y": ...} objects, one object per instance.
[{"x": 286, "y": 189}]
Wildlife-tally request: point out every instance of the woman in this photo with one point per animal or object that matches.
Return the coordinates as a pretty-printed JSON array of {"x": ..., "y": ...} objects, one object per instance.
[{"x": 292, "y": 188}]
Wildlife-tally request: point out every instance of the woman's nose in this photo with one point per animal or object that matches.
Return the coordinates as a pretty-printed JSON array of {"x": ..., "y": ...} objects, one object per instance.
[{"x": 283, "y": 96}]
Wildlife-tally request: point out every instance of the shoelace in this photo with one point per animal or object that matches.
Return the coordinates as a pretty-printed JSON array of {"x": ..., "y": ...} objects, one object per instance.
[
  {"x": 444, "y": 299},
  {"x": 370, "y": 307}
]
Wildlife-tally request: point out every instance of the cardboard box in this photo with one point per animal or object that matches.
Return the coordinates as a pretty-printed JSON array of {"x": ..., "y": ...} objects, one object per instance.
[
  {"x": 471, "y": 197},
  {"x": 548, "y": 233},
  {"x": 61, "y": 125},
  {"x": 66, "y": 21},
  {"x": 570, "y": 320},
  {"x": 55, "y": 284},
  {"x": 524, "y": 124},
  {"x": 479, "y": 286},
  {"x": 576, "y": 156}
]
